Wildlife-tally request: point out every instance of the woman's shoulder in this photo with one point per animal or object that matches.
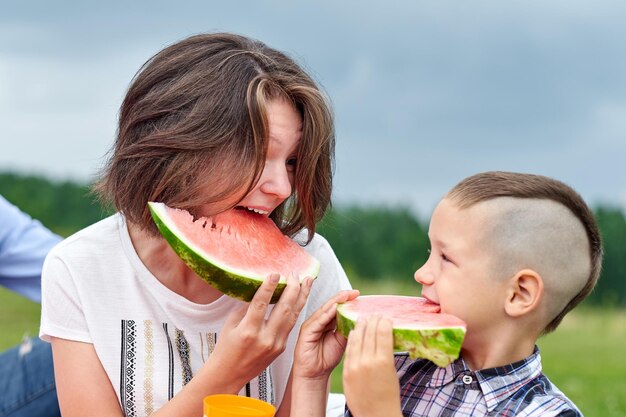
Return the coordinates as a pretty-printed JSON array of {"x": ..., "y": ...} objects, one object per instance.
[
  {"x": 331, "y": 273},
  {"x": 317, "y": 244},
  {"x": 94, "y": 237}
]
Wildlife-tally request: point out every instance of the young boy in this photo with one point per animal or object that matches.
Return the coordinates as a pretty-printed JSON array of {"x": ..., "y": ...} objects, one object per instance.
[{"x": 510, "y": 254}]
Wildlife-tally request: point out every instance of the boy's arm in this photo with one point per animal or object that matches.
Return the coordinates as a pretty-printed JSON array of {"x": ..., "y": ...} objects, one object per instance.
[
  {"x": 318, "y": 351},
  {"x": 370, "y": 382}
]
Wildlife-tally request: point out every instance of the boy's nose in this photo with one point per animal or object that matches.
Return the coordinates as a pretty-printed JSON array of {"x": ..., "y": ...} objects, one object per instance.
[{"x": 424, "y": 276}]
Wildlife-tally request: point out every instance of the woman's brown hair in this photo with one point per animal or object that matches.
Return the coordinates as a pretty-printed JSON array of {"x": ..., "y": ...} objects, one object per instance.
[{"x": 193, "y": 131}]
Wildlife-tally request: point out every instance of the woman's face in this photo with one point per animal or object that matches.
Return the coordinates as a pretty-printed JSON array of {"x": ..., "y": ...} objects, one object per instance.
[{"x": 276, "y": 182}]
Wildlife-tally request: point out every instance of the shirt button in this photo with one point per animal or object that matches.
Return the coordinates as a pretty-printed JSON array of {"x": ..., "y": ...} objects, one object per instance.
[{"x": 467, "y": 379}]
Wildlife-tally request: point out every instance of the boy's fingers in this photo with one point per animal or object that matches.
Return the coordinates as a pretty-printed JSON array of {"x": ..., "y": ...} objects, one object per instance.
[
  {"x": 369, "y": 338},
  {"x": 357, "y": 334},
  {"x": 354, "y": 346},
  {"x": 385, "y": 337},
  {"x": 350, "y": 352}
]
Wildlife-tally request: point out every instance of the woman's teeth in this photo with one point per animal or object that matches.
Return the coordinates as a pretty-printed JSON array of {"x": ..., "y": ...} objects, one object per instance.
[{"x": 263, "y": 212}]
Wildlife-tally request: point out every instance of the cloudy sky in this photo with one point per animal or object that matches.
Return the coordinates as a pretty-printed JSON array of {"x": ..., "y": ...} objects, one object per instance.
[{"x": 424, "y": 92}]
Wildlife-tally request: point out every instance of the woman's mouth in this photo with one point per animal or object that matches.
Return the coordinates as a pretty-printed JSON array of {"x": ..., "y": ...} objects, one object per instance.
[{"x": 261, "y": 211}]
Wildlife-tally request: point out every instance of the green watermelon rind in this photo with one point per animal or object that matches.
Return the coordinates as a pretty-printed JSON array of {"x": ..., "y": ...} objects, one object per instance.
[
  {"x": 232, "y": 283},
  {"x": 441, "y": 346}
]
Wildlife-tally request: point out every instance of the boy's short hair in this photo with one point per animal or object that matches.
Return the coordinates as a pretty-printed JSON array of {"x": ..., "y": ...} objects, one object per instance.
[
  {"x": 487, "y": 186},
  {"x": 196, "y": 112}
]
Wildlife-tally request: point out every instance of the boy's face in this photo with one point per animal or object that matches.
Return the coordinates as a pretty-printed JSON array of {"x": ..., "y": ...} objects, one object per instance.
[{"x": 458, "y": 274}]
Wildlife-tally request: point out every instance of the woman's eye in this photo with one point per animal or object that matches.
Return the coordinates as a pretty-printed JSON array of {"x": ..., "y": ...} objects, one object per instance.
[{"x": 291, "y": 163}]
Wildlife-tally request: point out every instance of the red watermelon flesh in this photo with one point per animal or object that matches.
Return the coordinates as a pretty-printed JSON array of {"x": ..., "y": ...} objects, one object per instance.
[
  {"x": 419, "y": 327},
  {"x": 234, "y": 251}
]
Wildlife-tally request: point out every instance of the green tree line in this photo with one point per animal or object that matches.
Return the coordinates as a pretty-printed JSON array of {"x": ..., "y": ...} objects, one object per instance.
[{"x": 372, "y": 242}]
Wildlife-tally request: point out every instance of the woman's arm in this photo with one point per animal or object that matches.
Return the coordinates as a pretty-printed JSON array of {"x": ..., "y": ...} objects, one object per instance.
[
  {"x": 83, "y": 387},
  {"x": 318, "y": 351}
]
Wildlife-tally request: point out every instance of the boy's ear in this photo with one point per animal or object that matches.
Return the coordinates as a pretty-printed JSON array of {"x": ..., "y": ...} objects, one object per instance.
[{"x": 525, "y": 293}]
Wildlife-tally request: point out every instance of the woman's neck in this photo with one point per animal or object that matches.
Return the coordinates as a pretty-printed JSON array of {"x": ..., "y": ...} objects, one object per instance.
[{"x": 161, "y": 260}]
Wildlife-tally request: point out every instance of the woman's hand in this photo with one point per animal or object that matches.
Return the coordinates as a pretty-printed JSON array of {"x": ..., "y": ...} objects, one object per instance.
[
  {"x": 318, "y": 351},
  {"x": 250, "y": 341},
  {"x": 370, "y": 382},
  {"x": 319, "y": 348}
]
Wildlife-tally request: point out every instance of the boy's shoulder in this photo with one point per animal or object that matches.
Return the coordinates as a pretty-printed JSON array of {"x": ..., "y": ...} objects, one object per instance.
[
  {"x": 537, "y": 397},
  {"x": 519, "y": 389}
]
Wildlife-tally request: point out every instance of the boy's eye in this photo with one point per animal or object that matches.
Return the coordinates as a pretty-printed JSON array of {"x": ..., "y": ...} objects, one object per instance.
[{"x": 445, "y": 258}]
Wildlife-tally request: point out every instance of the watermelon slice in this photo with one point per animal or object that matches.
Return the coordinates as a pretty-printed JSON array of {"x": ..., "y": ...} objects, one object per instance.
[
  {"x": 419, "y": 327},
  {"x": 234, "y": 251}
]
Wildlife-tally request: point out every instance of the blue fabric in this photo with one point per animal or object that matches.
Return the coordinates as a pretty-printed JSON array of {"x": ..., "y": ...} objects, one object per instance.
[
  {"x": 24, "y": 243},
  {"x": 26, "y": 373},
  {"x": 27, "y": 381}
]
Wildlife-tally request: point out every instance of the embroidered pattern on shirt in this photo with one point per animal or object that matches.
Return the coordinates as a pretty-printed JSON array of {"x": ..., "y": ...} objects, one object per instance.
[
  {"x": 183, "y": 353},
  {"x": 211, "y": 340},
  {"x": 148, "y": 383},
  {"x": 127, "y": 374},
  {"x": 263, "y": 385}
]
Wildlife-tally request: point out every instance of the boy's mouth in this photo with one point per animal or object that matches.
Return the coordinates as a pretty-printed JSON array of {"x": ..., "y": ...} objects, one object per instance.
[{"x": 435, "y": 307}]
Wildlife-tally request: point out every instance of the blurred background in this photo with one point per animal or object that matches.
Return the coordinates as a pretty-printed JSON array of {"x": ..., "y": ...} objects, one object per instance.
[{"x": 425, "y": 94}]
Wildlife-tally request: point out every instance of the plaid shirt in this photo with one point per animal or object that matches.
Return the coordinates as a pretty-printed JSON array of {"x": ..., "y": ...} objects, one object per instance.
[{"x": 518, "y": 389}]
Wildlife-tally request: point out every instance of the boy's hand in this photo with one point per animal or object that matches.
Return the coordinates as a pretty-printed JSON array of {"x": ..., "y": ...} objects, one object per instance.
[
  {"x": 319, "y": 348},
  {"x": 370, "y": 382},
  {"x": 250, "y": 341}
]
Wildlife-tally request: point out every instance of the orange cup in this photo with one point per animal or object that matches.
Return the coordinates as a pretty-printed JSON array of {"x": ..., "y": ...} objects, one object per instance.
[{"x": 228, "y": 405}]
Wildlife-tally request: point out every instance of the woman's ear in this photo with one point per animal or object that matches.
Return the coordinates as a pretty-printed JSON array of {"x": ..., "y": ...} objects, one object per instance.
[{"x": 525, "y": 293}]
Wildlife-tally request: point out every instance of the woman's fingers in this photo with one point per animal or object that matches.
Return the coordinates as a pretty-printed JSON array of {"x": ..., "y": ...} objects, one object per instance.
[
  {"x": 255, "y": 314},
  {"x": 345, "y": 295},
  {"x": 275, "y": 327},
  {"x": 323, "y": 315},
  {"x": 286, "y": 311},
  {"x": 235, "y": 317},
  {"x": 303, "y": 295}
]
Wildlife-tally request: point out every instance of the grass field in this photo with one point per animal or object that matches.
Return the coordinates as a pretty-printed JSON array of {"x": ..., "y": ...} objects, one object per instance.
[
  {"x": 584, "y": 357},
  {"x": 18, "y": 317}
]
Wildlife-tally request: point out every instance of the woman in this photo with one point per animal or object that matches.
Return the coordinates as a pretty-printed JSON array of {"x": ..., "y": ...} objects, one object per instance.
[{"x": 211, "y": 123}]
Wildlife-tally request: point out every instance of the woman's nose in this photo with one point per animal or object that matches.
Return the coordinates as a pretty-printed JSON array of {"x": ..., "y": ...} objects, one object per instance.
[{"x": 276, "y": 180}]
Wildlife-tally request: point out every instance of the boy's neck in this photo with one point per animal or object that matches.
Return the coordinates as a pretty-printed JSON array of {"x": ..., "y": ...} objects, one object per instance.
[{"x": 498, "y": 351}]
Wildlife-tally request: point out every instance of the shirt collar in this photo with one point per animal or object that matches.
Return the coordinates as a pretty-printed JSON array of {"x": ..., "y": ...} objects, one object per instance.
[
  {"x": 496, "y": 384},
  {"x": 443, "y": 376}
]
